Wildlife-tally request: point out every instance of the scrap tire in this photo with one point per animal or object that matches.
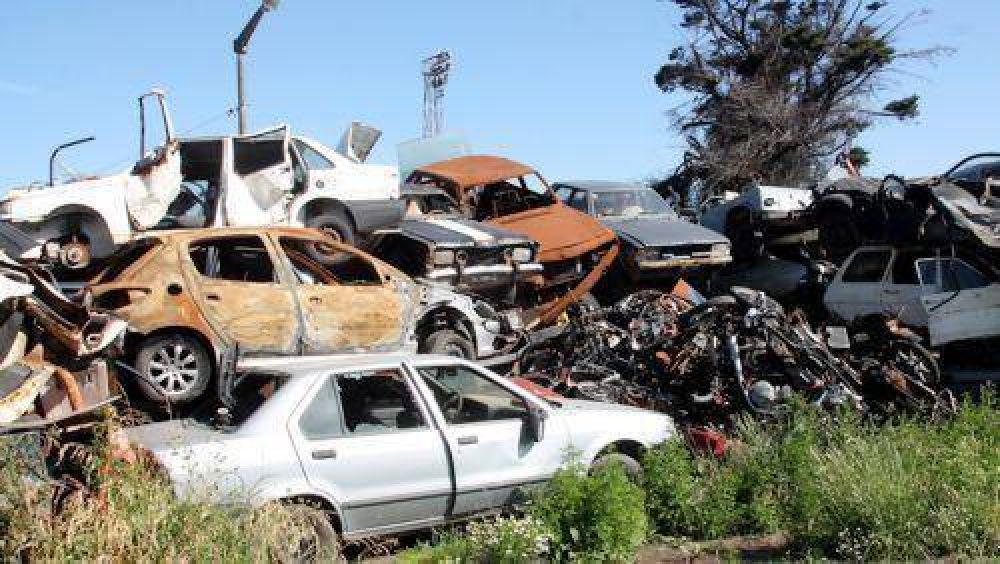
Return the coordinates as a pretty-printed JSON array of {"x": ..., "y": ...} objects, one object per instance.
[
  {"x": 631, "y": 466},
  {"x": 449, "y": 343},
  {"x": 838, "y": 233},
  {"x": 173, "y": 360},
  {"x": 335, "y": 225}
]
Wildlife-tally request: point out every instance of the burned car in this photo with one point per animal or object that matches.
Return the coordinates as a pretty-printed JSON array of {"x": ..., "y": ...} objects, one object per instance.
[
  {"x": 434, "y": 243},
  {"x": 267, "y": 178},
  {"x": 191, "y": 295},
  {"x": 656, "y": 243},
  {"x": 574, "y": 248}
]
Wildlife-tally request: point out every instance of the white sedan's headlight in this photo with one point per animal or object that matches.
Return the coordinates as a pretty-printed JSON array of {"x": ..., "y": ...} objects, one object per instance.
[
  {"x": 720, "y": 249},
  {"x": 647, "y": 254},
  {"x": 520, "y": 254}
]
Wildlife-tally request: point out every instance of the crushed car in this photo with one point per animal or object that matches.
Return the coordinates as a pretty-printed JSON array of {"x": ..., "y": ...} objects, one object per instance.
[
  {"x": 267, "y": 178},
  {"x": 574, "y": 248},
  {"x": 656, "y": 243},
  {"x": 54, "y": 369},
  {"x": 383, "y": 444}
]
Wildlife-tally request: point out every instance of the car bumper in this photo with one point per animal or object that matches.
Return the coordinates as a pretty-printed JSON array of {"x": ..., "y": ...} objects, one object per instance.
[
  {"x": 652, "y": 269},
  {"x": 482, "y": 276}
]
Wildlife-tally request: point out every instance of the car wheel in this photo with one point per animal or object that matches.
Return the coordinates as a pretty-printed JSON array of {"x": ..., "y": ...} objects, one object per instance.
[
  {"x": 173, "y": 369},
  {"x": 313, "y": 540},
  {"x": 334, "y": 225},
  {"x": 450, "y": 343},
  {"x": 838, "y": 234},
  {"x": 630, "y": 465}
]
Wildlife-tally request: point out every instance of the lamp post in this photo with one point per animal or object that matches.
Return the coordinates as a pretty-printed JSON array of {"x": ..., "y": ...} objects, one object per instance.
[{"x": 240, "y": 48}]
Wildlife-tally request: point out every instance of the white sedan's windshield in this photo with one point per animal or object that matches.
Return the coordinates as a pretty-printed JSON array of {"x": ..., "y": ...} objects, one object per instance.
[{"x": 629, "y": 203}]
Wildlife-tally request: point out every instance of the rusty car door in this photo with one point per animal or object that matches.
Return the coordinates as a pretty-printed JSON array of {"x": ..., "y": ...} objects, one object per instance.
[
  {"x": 347, "y": 304},
  {"x": 242, "y": 294}
]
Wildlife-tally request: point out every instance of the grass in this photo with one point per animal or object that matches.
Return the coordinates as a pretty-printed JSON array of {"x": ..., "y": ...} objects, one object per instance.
[{"x": 131, "y": 516}]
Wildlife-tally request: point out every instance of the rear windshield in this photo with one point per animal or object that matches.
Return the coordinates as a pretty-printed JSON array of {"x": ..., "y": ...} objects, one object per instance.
[{"x": 250, "y": 391}]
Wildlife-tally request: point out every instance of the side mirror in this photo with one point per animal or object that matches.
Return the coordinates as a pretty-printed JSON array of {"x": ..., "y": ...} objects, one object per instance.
[{"x": 536, "y": 424}]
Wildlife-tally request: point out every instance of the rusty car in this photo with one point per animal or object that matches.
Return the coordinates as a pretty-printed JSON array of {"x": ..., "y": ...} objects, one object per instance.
[
  {"x": 192, "y": 295},
  {"x": 575, "y": 249}
]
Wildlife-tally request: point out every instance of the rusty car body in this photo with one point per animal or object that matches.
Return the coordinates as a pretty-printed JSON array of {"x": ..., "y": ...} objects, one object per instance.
[
  {"x": 574, "y": 248},
  {"x": 53, "y": 353},
  {"x": 191, "y": 295}
]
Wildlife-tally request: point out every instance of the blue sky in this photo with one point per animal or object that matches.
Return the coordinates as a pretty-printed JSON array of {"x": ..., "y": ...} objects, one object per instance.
[{"x": 561, "y": 84}]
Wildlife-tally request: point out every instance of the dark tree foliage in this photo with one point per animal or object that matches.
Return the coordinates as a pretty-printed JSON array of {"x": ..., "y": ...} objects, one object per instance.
[{"x": 778, "y": 88}]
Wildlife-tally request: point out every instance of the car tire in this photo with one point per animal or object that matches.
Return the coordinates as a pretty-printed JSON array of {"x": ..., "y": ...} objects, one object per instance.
[
  {"x": 173, "y": 368},
  {"x": 631, "y": 466},
  {"x": 335, "y": 225},
  {"x": 449, "y": 343},
  {"x": 319, "y": 542}
]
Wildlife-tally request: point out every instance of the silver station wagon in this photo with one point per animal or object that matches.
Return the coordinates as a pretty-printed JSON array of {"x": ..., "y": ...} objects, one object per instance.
[{"x": 389, "y": 443}]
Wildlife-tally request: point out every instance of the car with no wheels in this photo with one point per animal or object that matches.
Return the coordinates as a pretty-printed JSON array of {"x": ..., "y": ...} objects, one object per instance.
[{"x": 389, "y": 443}]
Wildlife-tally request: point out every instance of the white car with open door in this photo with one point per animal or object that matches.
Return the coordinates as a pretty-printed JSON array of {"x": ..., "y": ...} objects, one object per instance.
[
  {"x": 389, "y": 443},
  {"x": 955, "y": 298},
  {"x": 267, "y": 178}
]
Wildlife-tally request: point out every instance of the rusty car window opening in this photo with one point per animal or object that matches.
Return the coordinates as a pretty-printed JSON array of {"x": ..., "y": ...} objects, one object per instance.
[
  {"x": 316, "y": 262},
  {"x": 239, "y": 259},
  {"x": 377, "y": 401},
  {"x": 506, "y": 197},
  {"x": 128, "y": 256}
]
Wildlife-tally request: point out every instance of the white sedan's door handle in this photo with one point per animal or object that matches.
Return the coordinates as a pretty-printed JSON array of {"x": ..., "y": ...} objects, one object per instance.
[
  {"x": 324, "y": 454},
  {"x": 469, "y": 440}
]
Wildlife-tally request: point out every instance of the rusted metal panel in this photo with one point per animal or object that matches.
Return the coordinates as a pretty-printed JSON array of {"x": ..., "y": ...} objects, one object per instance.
[
  {"x": 475, "y": 170},
  {"x": 561, "y": 231},
  {"x": 551, "y": 312}
]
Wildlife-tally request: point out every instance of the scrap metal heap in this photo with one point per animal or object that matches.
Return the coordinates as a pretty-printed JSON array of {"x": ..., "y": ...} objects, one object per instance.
[{"x": 705, "y": 361}]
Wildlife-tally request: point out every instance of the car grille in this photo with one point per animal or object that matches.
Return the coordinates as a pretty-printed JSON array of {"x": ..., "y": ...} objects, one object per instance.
[{"x": 682, "y": 251}]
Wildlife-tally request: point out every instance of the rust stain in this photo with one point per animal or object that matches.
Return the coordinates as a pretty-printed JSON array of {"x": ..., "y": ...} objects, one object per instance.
[{"x": 474, "y": 170}]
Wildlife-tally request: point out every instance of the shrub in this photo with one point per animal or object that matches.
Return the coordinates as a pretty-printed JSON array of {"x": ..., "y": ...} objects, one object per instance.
[
  {"x": 596, "y": 517},
  {"x": 499, "y": 539},
  {"x": 840, "y": 487}
]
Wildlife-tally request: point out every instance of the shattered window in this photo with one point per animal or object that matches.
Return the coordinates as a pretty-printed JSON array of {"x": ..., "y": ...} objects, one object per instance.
[
  {"x": 465, "y": 396},
  {"x": 317, "y": 262},
  {"x": 125, "y": 258},
  {"x": 239, "y": 259},
  {"x": 377, "y": 401},
  {"x": 867, "y": 266}
]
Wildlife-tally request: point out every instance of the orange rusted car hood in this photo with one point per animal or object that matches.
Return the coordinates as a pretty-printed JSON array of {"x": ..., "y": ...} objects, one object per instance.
[{"x": 561, "y": 231}]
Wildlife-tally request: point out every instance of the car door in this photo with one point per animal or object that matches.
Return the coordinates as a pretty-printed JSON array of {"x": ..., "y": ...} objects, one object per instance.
[
  {"x": 345, "y": 300},
  {"x": 365, "y": 440},
  {"x": 484, "y": 423},
  {"x": 901, "y": 290},
  {"x": 961, "y": 303},
  {"x": 857, "y": 288},
  {"x": 241, "y": 293},
  {"x": 260, "y": 179}
]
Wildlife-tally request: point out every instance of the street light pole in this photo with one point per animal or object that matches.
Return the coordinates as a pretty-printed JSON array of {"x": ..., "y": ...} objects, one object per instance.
[{"x": 240, "y": 45}]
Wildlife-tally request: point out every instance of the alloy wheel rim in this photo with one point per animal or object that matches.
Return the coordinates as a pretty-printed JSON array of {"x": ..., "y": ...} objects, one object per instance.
[{"x": 174, "y": 368}]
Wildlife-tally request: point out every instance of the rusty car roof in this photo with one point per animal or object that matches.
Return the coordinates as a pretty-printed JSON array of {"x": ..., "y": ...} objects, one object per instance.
[
  {"x": 208, "y": 232},
  {"x": 475, "y": 170}
]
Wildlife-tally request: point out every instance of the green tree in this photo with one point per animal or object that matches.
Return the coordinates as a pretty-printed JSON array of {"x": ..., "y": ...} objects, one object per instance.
[{"x": 779, "y": 88}]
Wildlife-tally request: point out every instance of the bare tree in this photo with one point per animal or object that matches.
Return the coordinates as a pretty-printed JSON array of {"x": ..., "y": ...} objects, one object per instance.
[{"x": 779, "y": 87}]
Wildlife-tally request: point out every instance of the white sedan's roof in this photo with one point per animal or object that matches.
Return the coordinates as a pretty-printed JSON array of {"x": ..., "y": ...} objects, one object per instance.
[{"x": 313, "y": 364}]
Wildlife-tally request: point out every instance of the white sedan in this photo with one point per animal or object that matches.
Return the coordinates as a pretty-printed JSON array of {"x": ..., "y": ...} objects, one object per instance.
[{"x": 390, "y": 443}]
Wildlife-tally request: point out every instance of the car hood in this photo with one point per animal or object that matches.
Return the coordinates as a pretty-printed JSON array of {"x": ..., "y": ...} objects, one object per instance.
[
  {"x": 562, "y": 232},
  {"x": 459, "y": 232},
  {"x": 662, "y": 232}
]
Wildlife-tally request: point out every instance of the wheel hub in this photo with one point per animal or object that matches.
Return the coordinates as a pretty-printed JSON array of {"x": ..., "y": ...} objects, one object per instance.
[{"x": 174, "y": 369}]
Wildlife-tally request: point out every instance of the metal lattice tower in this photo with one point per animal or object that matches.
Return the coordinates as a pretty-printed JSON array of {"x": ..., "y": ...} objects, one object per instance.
[{"x": 436, "y": 69}]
